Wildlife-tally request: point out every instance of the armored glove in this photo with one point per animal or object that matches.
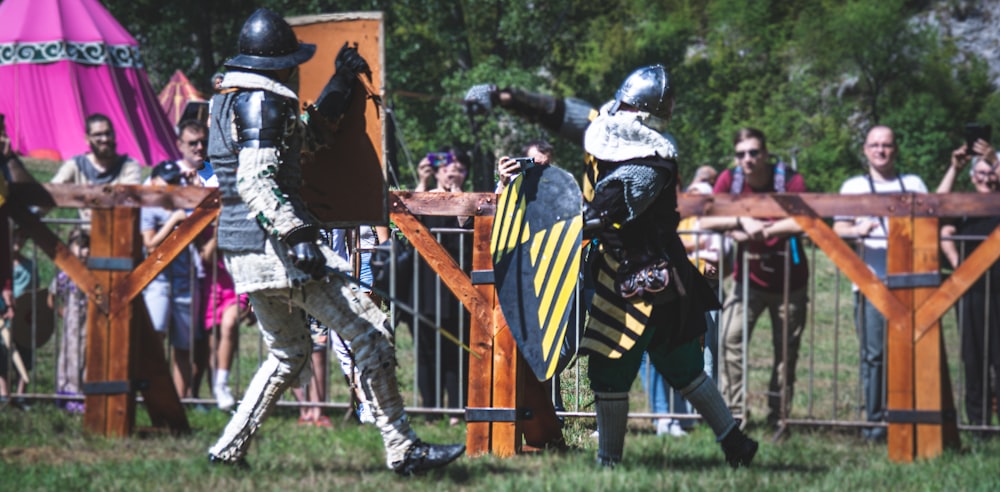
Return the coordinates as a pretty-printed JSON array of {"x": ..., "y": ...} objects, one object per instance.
[
  {"x": 304, "y": 252},
  {"x": 481, "y": 98},
  {"x": 332, "y": 102},
  {"x": 349, "y": 60}
]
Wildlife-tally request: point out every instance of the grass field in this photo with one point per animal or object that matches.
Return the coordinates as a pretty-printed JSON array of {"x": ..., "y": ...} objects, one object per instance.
[{"x": 43, "y": 448}]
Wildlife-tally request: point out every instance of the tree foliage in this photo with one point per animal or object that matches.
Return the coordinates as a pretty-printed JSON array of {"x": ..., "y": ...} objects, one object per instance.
[{"x": 812, "y": 74}]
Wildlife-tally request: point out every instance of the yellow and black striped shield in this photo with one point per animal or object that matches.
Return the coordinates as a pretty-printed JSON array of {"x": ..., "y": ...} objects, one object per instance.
[{"x": 536, "y": 248}]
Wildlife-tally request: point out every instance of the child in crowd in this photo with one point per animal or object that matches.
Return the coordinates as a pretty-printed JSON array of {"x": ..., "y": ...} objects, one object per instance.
[{"x": 73, "y": 311}]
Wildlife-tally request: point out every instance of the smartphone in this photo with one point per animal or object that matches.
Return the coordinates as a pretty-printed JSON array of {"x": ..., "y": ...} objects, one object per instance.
[
  {"x": 525, "y": 163},
  {"x": 973, "y": 132},
  {"x": 438, "y": 159}
]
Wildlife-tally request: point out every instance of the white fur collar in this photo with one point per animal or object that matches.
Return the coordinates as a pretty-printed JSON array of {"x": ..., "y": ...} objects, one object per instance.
[
  {"x": 250, "y": 80},
  {"x": 623, "y": 136}
]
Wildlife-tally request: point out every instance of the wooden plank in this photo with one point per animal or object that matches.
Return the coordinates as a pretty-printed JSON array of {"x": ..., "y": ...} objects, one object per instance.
[
  {"x": 98, "y": 335},
  {"x": 125, "y": 243},
  {"x": 928, "y": 351},
  {"x": 446, "y": 204},
  {"x": 108, "y": 196},
  {"x": 178, "y": 240},
  {"x": 833, "y": 205},
  {"x": 751, "y": 205},
  {"x": 480, "y": 393},
  {"x": 899, "y": 343},
  {"x": 934, "y": 307},
  {"x": 506, "y": 435},
  {"x": 841, "y": 255},
  {"x": 51, "y": 245},
  {"x": 442, "y": 263}
]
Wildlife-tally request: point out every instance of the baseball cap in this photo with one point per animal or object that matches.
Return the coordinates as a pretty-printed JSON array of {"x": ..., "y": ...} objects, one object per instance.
[{"x": 168, "y": 171}]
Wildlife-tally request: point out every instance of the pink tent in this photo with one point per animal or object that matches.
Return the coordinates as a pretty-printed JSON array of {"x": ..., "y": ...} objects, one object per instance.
[{"x": 62, "y": 60}]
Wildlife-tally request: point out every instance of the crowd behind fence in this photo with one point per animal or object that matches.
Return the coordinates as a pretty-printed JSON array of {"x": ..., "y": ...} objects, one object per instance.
[{"x": 828, "y": 390}]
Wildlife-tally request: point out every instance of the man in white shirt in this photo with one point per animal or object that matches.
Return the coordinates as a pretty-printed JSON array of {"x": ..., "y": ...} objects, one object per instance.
[{"x": 882, "y": 177}]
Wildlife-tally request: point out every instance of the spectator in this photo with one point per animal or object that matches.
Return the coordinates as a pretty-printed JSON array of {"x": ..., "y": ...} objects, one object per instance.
[
  {"x": 704, "y": 174},
  {"x": 22, "y": 282},
  {"x": 224, "y": 309},
  {"x": 881, "y": 177},
  {"x": 71, "y": 304},
  {"x": 314, "y": 390},
  {"x": 350, "y": 244},
  {"x": 11, "y": 171},
  {"x": 192, "y": 141},
  {"x": 439, "y": 361},
  {"x": 102, "y": 165},
  {"x": 172, "y": 297},
  {"x": 704, "y": 249},
  {"x": 776, "y": 265},
  {"x": 980, "y": 332},
  {"x": 507, "y": 167}
]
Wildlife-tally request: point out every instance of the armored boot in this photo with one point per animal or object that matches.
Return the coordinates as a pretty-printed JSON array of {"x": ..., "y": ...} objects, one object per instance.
[
  {"x": 612, "y": 423},
  {"x": 705, "y": 398}
]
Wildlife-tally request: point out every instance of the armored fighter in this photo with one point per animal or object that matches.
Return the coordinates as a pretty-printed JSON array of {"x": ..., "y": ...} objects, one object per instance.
[
  {"x": 269, "y": 240},
  {"x": 649, "y": 297}
]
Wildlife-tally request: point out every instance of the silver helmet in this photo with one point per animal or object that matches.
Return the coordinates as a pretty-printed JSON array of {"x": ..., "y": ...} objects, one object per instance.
[{"x": 647, "y": 89}]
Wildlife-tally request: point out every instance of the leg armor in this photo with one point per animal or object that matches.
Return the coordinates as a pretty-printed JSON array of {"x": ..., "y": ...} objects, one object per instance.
[
  {"x": 612, "y": 423},
  {"x": 362, "y": 324},
  {"x": 289, "y": 346}
]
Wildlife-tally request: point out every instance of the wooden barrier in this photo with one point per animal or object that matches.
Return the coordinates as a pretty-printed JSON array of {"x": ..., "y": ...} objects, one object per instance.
[
  {"x": 922, "y": 413},
  {"x": 123, "y": 355},
  {"x": 122, "y": 359}
]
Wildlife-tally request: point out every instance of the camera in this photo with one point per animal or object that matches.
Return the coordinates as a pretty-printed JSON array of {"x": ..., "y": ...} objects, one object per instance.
[{"x": 525, "y": 163}]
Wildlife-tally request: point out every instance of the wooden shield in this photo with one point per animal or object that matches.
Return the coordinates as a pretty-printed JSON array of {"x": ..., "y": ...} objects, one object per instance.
[
  {"x": 40, "y": 315},
  {"x": 344, "y": 184},
  {"x": 536, "y": 248}
]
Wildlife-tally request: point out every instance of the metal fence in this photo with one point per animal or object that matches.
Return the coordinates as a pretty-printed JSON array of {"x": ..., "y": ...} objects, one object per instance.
[{"x": 828, "y": 390}]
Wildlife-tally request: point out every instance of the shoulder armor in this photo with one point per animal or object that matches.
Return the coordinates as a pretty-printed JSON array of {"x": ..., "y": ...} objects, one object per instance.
[{"x": 262, "y": 118}]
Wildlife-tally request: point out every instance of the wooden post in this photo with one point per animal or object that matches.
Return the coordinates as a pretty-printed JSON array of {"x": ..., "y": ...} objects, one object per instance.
[
  {"x": 899, "y": 344},
  {"x": 109, "y": 388},
  {"x": 920, "y": 408},
  {"x": 477, "y": 435}
]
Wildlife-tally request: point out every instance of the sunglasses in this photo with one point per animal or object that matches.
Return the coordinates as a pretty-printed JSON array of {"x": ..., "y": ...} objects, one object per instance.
[{"x": 752, "y": 152}]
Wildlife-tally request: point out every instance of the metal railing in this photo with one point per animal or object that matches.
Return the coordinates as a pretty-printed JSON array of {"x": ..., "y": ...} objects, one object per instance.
[{"x": 828, "y": 393}]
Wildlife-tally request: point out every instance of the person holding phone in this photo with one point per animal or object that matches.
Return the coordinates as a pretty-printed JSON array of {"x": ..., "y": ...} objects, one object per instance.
[
  {"x": 979, "y": 149},
  {"x": 980, "y": 332},
  {"x": 508, "y": 167}
]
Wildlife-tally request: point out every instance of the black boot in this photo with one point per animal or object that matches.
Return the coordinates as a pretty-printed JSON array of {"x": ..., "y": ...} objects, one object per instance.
[
  {"x": 739, "y": 448},
  {"x": 422, "y": 457},
  {"x": 240, "y": 464}
]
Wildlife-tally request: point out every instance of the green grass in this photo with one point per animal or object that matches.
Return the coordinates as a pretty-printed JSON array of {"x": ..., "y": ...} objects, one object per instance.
[{"x": 46, "y": 449}]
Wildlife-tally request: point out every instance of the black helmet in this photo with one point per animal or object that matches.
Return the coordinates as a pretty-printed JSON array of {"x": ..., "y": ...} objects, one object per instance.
[{"x": 267, "y": 42}]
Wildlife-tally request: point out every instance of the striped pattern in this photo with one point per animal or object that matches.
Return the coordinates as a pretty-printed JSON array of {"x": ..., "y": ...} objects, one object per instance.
[
  {"x": 614, "y": 323},
  {"x": 554, "y": 255}
]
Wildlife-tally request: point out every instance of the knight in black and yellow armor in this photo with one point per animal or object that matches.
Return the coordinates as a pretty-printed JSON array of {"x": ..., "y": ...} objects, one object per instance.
[{"x": 649, "y": 297}]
